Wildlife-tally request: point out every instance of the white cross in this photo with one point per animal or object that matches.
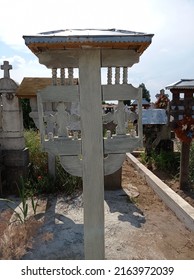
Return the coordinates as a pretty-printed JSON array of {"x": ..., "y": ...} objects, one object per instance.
[{"x": 6, "y": 67}]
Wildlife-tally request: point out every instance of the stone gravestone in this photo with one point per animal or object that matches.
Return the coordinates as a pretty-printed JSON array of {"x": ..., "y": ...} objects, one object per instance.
[
  {"x": 15, "y": 155},
  {"x": 90, "y": 155}
]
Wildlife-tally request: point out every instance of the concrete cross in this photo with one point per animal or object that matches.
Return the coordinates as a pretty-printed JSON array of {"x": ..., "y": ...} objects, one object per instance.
[
  {"x": 92, "y": 165},
  {"x": 6, "y": 67}
]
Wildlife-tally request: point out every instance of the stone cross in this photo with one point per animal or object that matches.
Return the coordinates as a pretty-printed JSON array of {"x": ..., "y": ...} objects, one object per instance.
[
  {"x": 90, "y": 156},
  {"x": 6, "y": 67}
]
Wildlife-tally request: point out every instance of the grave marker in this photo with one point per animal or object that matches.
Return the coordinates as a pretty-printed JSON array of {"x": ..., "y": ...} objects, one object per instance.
[
  {"x": 182, "y": 111},
  {"x": 91, "y": 156},
  {"x": 12, "y": 144}
]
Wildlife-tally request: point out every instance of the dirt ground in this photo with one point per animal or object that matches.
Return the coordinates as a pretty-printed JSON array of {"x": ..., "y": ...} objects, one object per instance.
[{"x": 137, "y": 226}]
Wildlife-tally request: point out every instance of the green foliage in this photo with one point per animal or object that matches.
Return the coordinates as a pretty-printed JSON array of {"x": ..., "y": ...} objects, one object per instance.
[
  {"x": 165, "y": 161},
  {"x": 39, "y": 181},
  {"x": 23, "y": 198},
  {"x": 65, "y": 181},
  {"x": 22, "y": 212},
  {"x": 34, "y": 205},
  {"x": 145, "y": 92},
  {"x": 144, "y": 158},
  {"x": 32, "y": 140},
  {"x": 169, "y": 161},
  {"x": 127, "y": 102},
  {"x": 27, "y": 121}
]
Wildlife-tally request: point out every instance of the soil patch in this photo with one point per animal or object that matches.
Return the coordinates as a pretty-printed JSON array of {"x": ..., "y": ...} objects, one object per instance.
[{"x": 173, "y": 183}]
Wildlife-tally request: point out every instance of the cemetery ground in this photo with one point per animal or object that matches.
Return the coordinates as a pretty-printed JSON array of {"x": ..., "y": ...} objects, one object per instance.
[{"x": 138, "y": 225}]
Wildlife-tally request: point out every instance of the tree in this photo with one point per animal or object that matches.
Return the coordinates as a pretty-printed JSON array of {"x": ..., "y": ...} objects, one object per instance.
[
  {"x": 27, "y": 121},
  {"x": 145, "y": 92},
  {"x": 127, "y": 102},
  {"x": 145, "y": 95}
]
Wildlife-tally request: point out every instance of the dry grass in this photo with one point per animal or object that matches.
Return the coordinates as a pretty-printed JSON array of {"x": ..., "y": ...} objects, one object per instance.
[
  {"x": 4, "y": 220},
  {"x": 17, "y": 238},
  {"x": 47, "y": 236}
]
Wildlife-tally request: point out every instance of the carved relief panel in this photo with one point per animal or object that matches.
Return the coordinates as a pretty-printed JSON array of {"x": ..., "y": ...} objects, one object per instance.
[{"x": 61, "y": 131}]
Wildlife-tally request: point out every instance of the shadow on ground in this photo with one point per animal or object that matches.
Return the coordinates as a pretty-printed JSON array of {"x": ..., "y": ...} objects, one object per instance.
[{"x": 61, "y": 234}]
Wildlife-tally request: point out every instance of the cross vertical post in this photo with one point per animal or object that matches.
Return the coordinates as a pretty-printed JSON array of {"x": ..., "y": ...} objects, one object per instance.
[{"x": 92, "y": 152}]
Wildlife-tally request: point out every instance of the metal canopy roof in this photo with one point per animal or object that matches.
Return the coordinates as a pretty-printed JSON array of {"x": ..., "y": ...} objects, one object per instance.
[
  {"x": 78, "y": 38},
  {"x": 90, "y": 32},
  {"x": 182, "y": 84}
]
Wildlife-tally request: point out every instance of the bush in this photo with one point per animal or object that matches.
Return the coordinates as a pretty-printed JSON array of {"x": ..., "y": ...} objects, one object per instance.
[
  {"x": 165, "y": 160},
  {"x": 26, "y": 109},
  {"x": 39, "y": 181},
  {"x": 38, "y": 158}
]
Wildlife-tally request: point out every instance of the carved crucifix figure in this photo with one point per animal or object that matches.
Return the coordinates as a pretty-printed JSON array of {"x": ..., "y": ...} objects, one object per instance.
[
  {"x": 120, "y": 117},
  {"x": 62, "y": 119}
]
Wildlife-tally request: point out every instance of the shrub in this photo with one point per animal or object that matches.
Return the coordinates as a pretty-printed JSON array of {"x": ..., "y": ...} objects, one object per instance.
[
  {"x": 38, "y": 159},
  {"x": 39, "y": 181},
  {"x": 165, "y": 160},
  {"x": 26, "y": 109}
]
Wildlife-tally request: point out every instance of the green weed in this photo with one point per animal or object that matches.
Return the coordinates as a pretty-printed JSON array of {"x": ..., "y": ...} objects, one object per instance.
[
  {"x": 165, "y": 161},
  {"x": 39, "y": 181}
]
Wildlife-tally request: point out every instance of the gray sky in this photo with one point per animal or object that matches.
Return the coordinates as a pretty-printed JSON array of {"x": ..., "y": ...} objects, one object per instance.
[{"x": 168, "y": 59}]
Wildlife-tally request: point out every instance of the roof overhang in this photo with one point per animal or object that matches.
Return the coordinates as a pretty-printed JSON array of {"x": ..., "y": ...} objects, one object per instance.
[
  {"x": 182, "y": 84},
  {"x": 30, "y": 86},
  {"x": 88, "y": 38}
]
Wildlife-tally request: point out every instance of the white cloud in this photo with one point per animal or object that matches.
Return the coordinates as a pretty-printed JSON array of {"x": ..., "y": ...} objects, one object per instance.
[
  {"x": 167, "y": 59},
  {"x": 18, "y": 61},
  {"x": 25, "y": 68},
  {"x": 28, "y": 17}
]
